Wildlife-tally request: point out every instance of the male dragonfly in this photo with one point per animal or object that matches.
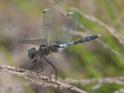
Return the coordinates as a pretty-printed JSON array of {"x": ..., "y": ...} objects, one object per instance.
[{"x": 55, "y": 36}]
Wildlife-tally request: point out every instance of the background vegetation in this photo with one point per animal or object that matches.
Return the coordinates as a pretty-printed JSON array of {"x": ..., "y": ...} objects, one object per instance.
[{"x": 20, "y": 19}]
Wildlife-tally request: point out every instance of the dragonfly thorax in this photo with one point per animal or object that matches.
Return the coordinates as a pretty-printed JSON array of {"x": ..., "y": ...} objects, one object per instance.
[{"x": 46, "y": 50}]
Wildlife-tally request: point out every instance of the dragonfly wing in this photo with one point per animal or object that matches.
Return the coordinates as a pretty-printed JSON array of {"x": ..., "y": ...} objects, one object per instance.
[
  {"x": 57, "y": 26},
  {"x": 50, "y": 23},
  {"x": 33, "y": 41},
  {"x": 68, "y": 27}
]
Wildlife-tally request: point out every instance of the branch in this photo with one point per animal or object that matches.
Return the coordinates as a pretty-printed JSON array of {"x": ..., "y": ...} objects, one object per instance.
[
  {"x": 110, "y": 29},
  {"x": 40, "y": 79},
  {"x": 120, "y": 91},
  {"x": 107, "y": 27},
  {"x": 100, "y": 42},
  {"x": 98, "y": 82}
]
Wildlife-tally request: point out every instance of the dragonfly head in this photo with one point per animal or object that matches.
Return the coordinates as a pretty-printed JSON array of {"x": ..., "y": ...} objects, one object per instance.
[{"x": 32, "y": 53}]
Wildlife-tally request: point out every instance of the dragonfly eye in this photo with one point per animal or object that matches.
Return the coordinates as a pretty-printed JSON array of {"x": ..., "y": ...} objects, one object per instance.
[{"x": 31, "y": 53}]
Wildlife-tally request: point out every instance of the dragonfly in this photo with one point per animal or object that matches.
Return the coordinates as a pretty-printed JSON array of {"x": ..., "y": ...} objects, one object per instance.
[{"x": 55, "y": 36}]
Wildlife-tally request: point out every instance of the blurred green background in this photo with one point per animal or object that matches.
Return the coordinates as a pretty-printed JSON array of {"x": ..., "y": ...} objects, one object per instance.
[{"x": 104, "y": 57}]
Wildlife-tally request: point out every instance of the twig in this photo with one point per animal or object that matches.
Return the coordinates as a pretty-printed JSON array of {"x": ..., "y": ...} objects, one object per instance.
[
  {"x": 110, "y": 29},
  {"x": 97, "y": 83},
  {"x": 108, "y": 80},
  {"x": 100, "y": 42},
  {"x": 120, "y": 91},
  {"x": 39, "y": 79}
]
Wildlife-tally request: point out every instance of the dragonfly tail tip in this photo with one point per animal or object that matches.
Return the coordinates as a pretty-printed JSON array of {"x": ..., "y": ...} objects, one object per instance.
[{"x": 99, "y": 35}]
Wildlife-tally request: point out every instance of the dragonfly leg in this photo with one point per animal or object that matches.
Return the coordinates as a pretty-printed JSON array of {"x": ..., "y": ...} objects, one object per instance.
[
  {"x": 36, "y": 65},
  {"x": 33, "y": 64},
  {"x": 53, "y": 69}
]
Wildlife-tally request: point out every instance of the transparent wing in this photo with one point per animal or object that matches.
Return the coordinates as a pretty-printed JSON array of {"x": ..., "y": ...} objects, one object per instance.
[
  {"x": 33, "y": 41},
  {"x": 50, "y": 23},
  {"x": 57, "y": 26},
  {"x": 49, "y": 27},
  {"x": 68, "y": 27}
]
